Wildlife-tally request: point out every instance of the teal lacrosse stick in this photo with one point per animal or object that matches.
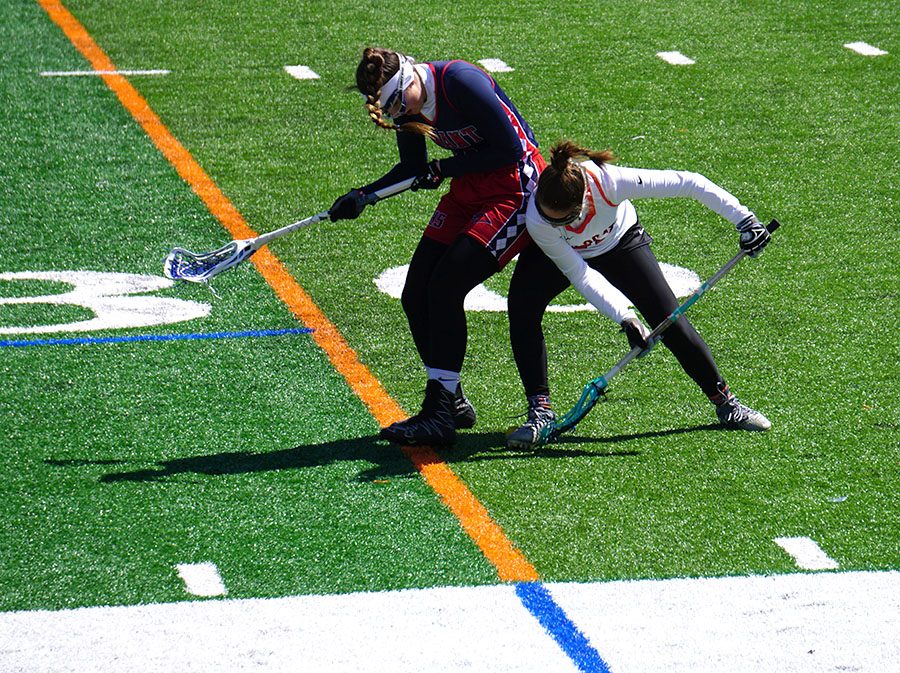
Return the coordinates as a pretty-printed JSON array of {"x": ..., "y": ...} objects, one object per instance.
[{"x": 597, "y": 387}]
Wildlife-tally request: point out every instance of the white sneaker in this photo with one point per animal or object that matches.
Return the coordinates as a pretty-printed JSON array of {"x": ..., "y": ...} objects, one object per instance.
[{"x": 732, "y": 414}]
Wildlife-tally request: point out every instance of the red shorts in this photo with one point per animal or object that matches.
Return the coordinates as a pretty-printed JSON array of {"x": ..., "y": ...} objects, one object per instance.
[{"x": 489, "y": 207}]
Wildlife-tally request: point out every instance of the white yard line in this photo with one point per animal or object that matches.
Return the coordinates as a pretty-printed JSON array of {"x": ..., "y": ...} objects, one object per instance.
[
  {"x": 81, "y": 73},
  {"x": 446, "y": 630},
  {"x": 800, "y": 623}
]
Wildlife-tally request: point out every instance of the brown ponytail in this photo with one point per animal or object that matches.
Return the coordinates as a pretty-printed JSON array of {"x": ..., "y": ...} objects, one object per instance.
[
  {"x": 561, "y": 185},
  {"x": 375, "y": 68}
]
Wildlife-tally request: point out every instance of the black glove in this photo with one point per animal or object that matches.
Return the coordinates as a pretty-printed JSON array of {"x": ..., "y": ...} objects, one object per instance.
[
  {"x": 636, "y": 332},
  {"x": 348, "y": 207},
  {"x": 430, "y": 179},
  {"x": 754, "y": 236}
]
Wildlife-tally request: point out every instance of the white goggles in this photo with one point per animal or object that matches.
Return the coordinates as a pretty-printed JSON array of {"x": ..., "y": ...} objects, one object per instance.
[{"x": 392, "y": 99}]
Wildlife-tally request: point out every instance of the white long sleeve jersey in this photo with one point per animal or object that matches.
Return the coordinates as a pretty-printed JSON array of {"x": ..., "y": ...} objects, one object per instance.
[{"x": 609, "y": 214}]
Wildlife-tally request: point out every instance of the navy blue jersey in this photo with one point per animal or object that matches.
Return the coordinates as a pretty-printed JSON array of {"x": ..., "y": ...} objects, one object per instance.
[{"x": 473, "y": 118}]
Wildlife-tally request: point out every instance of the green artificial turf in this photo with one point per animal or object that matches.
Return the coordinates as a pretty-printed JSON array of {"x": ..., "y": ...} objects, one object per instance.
[{"x": 123, "y": 460}]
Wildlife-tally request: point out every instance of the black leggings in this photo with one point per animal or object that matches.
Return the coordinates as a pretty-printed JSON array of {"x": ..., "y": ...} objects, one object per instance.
[
  {"x": 439, "y": 278},
  {"x": 634, "y": 270}
]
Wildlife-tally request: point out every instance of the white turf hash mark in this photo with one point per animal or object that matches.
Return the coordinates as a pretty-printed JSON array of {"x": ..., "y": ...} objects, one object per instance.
[
  {"x": 865, "y": 49},
  {"x": 201, "y": 579},
  {"x": 495, "y": 65},
  {"x": 675, "y": 58},
  {"x": 301, "y": 72},
  {"x": 806, "y": 553},
  {"x": 80, "y": 73}
]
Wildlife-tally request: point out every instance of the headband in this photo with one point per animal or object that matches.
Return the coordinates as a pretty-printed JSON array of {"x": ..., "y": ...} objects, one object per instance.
[{"x": 396, "y": 85}]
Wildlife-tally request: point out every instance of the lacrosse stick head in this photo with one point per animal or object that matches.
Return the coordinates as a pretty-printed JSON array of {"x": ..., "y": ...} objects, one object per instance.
[
  {"x": 592, "y": 392},
  {"x": 181, "y": 264}
]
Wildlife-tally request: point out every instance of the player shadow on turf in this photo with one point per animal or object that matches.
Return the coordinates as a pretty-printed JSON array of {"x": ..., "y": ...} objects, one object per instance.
[
  {"x": 472, "y": 447},
  {"x": 370, "y": 449},
  {"x": 387, "y": 460}
]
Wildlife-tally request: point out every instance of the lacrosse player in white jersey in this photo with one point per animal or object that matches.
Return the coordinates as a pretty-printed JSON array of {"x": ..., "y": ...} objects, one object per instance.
[{"x": 588, "y": 235}]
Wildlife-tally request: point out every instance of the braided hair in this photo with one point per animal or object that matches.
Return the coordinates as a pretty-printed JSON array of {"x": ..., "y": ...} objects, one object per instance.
[
  {"x": 561, "y": 185},
  {"x": 375, "y": 68}
]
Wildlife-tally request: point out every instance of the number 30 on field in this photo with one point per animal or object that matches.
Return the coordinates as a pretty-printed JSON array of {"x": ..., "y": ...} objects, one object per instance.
[{"x": 116, "y": 300}]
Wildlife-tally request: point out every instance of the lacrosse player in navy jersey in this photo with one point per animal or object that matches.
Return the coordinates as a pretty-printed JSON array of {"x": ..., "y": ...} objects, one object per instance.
[
  {"x": 479, "y": 224},
  {"x": 588, "y": 235}
]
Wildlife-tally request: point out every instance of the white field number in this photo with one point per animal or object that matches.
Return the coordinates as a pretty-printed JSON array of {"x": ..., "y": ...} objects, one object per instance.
[{"x": 116, "y": 300}]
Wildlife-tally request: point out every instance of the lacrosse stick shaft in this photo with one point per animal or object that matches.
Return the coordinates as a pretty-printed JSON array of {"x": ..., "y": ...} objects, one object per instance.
[
  {"x": 700, "y": 291},
  {"x": 601, "y": 383},
  {"x": 390, "y": 190},
  {"x": 678, "y": 312},
  {"x": 374, "y": 197},
  {"x": 652, "y": 338},
  {"x": 263, "y": 239}
]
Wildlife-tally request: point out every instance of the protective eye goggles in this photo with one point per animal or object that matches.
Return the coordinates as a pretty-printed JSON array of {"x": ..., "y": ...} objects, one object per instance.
[
  {"x": 393, "y": 98},
  {"x": 578, "y": 214},
  {"x": 575, "y": 214}
]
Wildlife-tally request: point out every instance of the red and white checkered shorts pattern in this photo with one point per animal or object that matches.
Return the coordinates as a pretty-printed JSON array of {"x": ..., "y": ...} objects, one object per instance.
[{"x": 489, "y": 207}]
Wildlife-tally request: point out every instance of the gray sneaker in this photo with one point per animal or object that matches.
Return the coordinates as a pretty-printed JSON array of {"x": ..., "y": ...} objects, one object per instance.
[
  {"x": 540, "y": 419},
  {"x": 736, "y": 416}
]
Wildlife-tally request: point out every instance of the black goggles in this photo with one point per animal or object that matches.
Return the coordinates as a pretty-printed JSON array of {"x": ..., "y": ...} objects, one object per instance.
[{"x": 567, "y": 219}]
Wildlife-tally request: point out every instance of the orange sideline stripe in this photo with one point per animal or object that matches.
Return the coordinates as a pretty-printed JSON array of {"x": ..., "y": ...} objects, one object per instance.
[{"x": 510, "y": 563}]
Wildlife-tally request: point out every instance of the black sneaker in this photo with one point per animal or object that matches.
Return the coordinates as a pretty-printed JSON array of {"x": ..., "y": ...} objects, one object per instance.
[
  {"x": 433, "y": 425},
  {"x": 732, "y": 414},
  {"x": 463, "y": 411}
]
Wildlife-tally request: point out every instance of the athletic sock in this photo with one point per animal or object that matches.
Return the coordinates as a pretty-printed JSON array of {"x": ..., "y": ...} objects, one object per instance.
[{"x": 448, "y": 379}]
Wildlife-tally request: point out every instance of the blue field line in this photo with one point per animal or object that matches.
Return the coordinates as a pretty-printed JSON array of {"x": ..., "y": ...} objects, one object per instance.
[
  {"x": 537, "y": 599},
  {"x": 21, "y": 343}
]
